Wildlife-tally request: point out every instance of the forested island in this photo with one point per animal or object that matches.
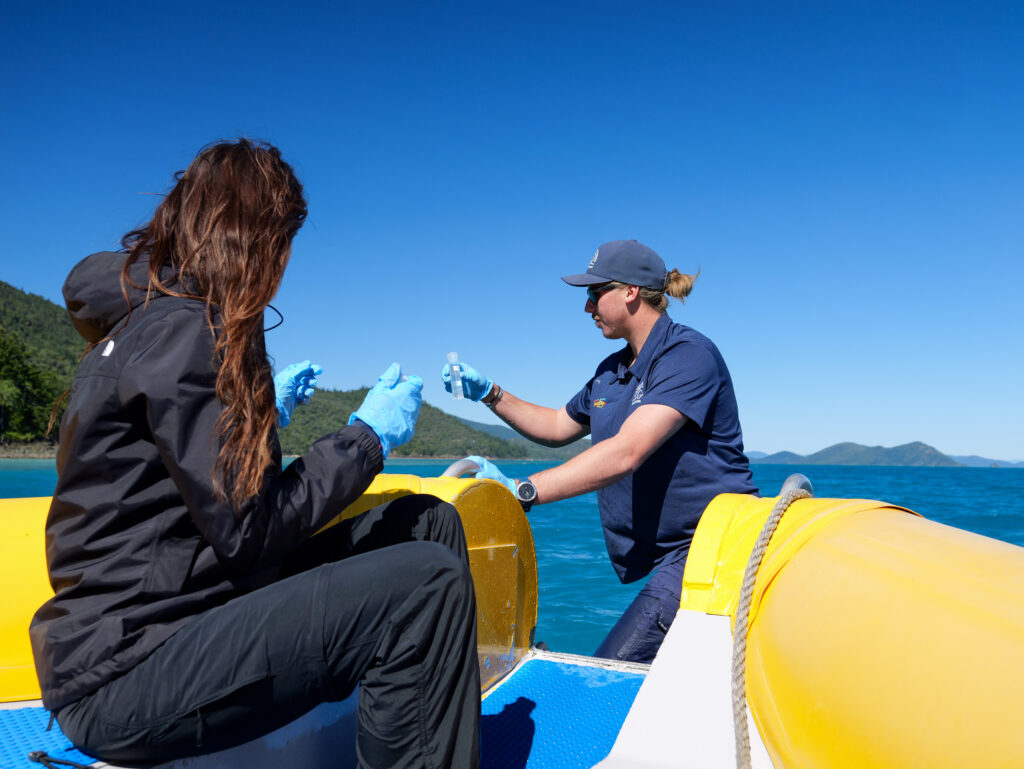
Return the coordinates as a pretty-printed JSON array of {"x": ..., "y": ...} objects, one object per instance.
[{"x": 39, "y": 350}]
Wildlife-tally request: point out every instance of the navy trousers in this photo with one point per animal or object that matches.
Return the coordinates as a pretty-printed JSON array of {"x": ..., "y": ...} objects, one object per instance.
[
  {"x": 384, "y": 600},
  {"x": 638, "y": 634}
]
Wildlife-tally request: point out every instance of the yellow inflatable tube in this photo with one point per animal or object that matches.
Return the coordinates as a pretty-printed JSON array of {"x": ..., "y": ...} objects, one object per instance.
[
  {"x": 501, "y": 558},
  {"x": 876, "y": 638}
]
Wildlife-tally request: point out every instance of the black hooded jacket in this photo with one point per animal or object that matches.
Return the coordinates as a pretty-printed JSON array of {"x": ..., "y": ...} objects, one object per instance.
[{"x": 136, "y": 542}]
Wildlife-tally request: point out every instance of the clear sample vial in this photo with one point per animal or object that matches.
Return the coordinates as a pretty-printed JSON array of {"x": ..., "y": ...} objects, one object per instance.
[{"x": 456, "y": 375}]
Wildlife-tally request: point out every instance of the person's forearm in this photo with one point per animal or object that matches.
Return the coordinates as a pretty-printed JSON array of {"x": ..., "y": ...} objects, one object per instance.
[
  {"x": 538, "y": 423},
  {"x": 599, "y": 466},
  {"x": 609, "y": 460}
]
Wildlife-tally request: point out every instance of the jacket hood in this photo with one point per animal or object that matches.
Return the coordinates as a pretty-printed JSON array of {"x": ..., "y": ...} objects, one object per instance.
[{"x": 92, "y": 291}]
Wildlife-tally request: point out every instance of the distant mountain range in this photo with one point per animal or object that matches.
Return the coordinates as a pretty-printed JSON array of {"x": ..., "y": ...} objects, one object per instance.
[
  {"x": 973, "y": 460},
  {"x": 533, "y": 450},
  {"x": 914, "y": 454}
]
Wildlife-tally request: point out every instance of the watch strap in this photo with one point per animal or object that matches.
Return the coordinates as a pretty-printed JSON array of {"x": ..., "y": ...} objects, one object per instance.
[{"x": 497, "y": 393}]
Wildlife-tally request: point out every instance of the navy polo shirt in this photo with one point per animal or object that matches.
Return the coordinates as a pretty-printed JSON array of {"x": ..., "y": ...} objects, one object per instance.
[{"x": 649, "y": 517}]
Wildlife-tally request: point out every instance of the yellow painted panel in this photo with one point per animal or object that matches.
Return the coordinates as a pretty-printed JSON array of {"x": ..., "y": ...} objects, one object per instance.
[
  {"x": 502, "y": 559},
  {"x": 728, "y": 531},
  {"x": 506, "y": 580},
  {"x": 26, "y": 585},
  {"x": 494, "y": 570}
]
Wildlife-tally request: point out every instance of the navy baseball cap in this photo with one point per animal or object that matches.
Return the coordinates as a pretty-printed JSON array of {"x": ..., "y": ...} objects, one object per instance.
[{"x": 625, "y": 261}]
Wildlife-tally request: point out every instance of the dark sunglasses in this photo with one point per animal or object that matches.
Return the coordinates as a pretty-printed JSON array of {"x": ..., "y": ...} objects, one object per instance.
[
  {"x": 280, "y": 318},
  {"x": 594, "y": 292}
]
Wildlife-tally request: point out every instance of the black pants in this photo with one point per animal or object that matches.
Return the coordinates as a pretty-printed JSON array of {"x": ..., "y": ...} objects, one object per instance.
[{"x": 396, "y": 615}]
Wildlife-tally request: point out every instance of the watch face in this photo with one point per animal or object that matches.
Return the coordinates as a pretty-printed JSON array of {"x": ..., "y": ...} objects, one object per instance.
[{"x": 526, "y": 491}]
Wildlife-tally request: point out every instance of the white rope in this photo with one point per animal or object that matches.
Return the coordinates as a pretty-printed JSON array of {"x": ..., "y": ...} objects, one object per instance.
[{"x": 739, "y": 647}]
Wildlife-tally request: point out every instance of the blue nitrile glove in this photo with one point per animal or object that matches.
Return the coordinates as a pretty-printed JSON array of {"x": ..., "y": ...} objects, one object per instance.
[
  {"x": 474, "y": 384},
  {"x": 391, "y": 407},
  {"x": 490, "y": 470},
  {"x": 293, "y": 386}
]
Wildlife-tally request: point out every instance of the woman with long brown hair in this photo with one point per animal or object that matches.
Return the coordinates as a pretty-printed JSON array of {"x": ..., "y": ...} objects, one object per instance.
[{"x": 193, "y": 608}]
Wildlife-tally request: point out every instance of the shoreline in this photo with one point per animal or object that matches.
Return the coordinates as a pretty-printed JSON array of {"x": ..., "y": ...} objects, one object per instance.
[
  {"x": 31, "y": 450},
  {"x": 47, "y": 450}
]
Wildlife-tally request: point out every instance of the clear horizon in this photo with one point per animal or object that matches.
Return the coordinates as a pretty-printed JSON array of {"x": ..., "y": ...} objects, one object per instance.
[{"x": 848, "y": 177}]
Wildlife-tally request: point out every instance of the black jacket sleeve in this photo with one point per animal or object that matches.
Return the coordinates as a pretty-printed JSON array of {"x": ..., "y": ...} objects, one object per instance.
[{"x": 171, "y": 378}]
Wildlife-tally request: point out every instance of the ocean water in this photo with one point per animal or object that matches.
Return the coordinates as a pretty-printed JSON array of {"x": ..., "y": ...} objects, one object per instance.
[{"x": 580, "y": 597}]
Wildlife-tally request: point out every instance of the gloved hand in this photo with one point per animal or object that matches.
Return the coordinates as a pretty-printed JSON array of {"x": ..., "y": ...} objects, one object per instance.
[
  {"x": 490, "y": 470},
  {"x": 391, "y": 407},
  {"x": 293, "y": 386},
  {"x": 474, "y": 384}
]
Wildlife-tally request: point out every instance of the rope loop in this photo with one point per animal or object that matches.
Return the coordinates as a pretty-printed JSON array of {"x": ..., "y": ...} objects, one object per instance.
[{"x": 739, "y": 646}]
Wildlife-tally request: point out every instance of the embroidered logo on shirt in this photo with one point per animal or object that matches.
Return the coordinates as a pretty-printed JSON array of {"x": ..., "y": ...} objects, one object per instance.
[
  {"x": 108, "y": 349},
  {"x": 600, "y": 403},
  {"x": 638, "y": 394}
]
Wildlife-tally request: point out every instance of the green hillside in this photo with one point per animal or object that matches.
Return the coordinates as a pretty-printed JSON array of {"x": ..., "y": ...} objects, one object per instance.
[
  {"x": 43, "y": 328},
  {"x": 27, "y": 392},
  {"x": 39, "y": 351},
  {"x": 533, "y": 450},
  {"x": 914, "y": 454},
  {"x": 437, "y": 434},
  {"x": 780, "y": 458}
]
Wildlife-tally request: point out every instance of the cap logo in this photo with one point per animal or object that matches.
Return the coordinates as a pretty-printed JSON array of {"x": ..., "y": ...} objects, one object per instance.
[{"x": 594, "y": 260}]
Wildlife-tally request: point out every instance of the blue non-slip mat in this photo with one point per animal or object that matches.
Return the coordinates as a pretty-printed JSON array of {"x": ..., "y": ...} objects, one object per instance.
[
  {"x": 548, "y": 715},
  {"x": 23, "y": 730},
  {"x": 555, "y": 715},
  {"x": 323, "y": 737}
]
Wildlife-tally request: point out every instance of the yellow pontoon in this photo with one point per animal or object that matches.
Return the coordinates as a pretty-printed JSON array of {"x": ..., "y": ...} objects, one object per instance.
[{"x": 874, "y": 638}]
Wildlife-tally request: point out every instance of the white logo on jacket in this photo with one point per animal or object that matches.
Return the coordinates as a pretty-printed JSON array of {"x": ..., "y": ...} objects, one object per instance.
[{"x": 638, "y": 394}]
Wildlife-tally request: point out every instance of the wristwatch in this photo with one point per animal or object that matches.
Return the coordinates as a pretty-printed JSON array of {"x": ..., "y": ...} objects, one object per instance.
[
  {"x": 495, "y": 393},
  {"x": 526, "y": 493}
]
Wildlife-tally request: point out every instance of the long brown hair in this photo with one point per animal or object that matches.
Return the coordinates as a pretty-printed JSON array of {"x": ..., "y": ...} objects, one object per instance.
[{"x": 226, "y": 228}]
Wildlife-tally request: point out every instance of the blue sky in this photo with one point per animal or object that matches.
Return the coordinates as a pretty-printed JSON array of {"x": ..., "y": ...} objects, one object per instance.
[{"x": 849, "y": 177}]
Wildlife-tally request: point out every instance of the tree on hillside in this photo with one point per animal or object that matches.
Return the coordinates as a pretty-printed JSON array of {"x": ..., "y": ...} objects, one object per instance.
[
  {"x": 45, "y": 330},
  {"x": 437, "y": 434},
  {"x": 27, "y": 393}
]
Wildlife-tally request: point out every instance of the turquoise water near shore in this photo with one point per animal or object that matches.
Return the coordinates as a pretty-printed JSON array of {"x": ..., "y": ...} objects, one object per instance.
[{"x": 580, "y": 597}]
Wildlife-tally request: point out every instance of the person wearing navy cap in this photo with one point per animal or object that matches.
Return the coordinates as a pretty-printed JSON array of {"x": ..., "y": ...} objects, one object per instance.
[{"x": 666, "y": 435}]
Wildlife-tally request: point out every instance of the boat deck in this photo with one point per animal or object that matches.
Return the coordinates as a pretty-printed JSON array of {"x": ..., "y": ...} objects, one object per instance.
[
  {"x": 554, "y": 711},
  {"x": 557, "y": 711},
  {"x": 23, "y": 730}
]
